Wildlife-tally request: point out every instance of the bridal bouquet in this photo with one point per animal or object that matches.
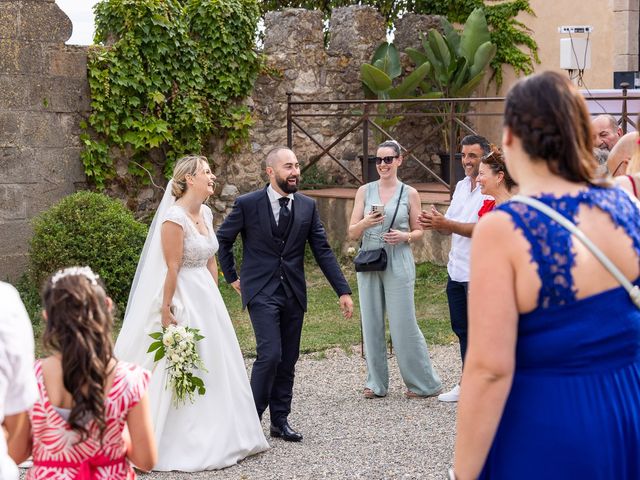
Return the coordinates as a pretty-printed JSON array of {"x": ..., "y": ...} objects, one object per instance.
[{"x": 178, "y": 345}]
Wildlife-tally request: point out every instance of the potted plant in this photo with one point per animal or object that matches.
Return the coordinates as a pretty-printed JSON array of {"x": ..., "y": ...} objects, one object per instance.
[
  {"x": 452, "y": 65},
  {"x": 380, "y": 81},
  {"x": 458, "y": 62}
]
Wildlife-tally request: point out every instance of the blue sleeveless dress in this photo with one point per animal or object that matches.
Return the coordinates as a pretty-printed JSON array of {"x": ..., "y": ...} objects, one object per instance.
[{"x": 573, "y": 411}]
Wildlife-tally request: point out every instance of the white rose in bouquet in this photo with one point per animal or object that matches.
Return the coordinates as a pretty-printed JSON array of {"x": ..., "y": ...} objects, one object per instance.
[{"x": 178, "y": 345}]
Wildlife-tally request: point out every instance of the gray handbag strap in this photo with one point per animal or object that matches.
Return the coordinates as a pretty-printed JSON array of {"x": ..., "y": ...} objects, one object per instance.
[{"x": 632, "y": 290}]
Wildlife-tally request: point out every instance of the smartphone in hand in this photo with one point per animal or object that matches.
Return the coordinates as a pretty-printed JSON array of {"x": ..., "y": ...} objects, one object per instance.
[{"x": 377, "y": 210}]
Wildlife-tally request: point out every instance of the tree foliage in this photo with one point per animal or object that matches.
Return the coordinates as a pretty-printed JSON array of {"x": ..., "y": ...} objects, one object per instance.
[
  {"x": 389, "y": 9},
  {"x": 167, "y": 76}
]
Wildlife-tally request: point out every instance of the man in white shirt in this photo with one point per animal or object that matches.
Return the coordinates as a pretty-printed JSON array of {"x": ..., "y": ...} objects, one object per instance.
[
  {"x": 18, "y": 388},
  {"x": 461, "y": 217}
]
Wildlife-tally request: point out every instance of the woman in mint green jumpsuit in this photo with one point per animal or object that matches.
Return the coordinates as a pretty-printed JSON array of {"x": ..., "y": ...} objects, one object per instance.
[{"x": 391, "y": 291}]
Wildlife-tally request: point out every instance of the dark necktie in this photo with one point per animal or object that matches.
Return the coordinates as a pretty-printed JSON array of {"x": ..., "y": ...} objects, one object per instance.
[{"x": 285, "y": 216}]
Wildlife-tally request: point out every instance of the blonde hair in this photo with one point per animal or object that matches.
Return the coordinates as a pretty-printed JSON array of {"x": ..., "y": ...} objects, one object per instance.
[{"x": 188, "y": 165}]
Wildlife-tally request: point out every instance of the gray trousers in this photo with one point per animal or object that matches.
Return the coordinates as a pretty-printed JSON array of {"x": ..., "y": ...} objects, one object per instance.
[{"x": 391, "y": 291}]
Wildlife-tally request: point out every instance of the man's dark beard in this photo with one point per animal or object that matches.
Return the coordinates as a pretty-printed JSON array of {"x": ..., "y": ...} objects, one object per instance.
[{"x": 286, "y": 188}]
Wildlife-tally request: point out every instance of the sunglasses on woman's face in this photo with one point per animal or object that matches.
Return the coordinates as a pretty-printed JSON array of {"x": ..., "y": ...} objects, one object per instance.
[{"x": 387, "y": 160}]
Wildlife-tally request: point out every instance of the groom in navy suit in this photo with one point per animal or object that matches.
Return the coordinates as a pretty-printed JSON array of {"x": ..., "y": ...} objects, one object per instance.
[{"x": 275, "y": 224}]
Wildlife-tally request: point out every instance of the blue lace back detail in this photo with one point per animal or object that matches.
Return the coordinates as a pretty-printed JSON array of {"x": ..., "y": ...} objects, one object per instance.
[{"x": 551, "y": 244}]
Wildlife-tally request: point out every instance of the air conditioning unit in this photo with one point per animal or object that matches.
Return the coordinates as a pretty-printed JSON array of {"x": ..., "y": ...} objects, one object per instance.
[{"x": 575, "y": 53}]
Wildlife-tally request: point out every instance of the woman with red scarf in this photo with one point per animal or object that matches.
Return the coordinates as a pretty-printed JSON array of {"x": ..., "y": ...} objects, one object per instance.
[{"x": 494, "y": 180}]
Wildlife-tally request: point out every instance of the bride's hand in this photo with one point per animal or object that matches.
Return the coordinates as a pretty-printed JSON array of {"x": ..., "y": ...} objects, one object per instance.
[{"x": 167, "y": 317}]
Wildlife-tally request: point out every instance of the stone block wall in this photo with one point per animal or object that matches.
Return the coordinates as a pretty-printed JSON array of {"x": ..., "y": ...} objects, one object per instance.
[
  {"x": 43, "y": 94},
  {"x": 626, "y": 17},
  {"x": 294, "y": 46}
]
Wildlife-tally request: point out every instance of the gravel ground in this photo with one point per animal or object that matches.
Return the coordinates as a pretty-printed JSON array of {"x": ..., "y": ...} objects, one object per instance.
[{"x": 348, "y": 436}]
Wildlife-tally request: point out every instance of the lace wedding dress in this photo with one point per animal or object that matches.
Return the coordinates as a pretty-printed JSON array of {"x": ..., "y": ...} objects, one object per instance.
[{"x": 221, "y": 427}]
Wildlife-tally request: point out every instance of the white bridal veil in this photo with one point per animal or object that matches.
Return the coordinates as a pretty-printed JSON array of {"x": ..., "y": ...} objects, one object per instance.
[{"x": 142, "y": 315}]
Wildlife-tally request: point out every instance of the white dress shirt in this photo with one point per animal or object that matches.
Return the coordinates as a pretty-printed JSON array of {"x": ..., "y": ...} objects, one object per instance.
[
  {"x": 274, "y": 198},
  {"x": 18, "y": 387},
  {"x": 464, "y": 208}
]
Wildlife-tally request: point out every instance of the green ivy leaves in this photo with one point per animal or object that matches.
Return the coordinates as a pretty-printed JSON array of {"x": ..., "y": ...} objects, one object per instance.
[{"x": 168, "y": 75}]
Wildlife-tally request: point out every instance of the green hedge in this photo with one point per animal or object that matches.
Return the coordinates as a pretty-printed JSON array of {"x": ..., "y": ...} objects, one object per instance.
[{"x": 91, "y": 229}]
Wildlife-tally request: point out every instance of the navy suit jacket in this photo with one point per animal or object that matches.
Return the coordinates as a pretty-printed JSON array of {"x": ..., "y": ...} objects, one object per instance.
[{"x": 261, "y": 256}]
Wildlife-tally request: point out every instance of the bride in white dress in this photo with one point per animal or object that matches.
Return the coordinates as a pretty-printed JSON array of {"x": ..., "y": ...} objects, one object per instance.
[{"x": 176, "y": 282}]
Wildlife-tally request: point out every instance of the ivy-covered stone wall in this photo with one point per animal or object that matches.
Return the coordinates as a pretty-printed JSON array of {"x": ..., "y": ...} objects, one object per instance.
[{"x": 44, "y": 95}]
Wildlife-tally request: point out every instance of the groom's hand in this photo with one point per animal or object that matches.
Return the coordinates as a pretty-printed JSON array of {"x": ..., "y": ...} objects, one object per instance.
[
  {"x": 346, "y": 305},
  {"x": 236, "y": 286}
]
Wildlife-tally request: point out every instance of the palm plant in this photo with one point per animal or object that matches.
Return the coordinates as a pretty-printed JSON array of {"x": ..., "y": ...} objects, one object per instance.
[
  {"x": 458, "y": 62},
  {"x": 379, "y": 76}
]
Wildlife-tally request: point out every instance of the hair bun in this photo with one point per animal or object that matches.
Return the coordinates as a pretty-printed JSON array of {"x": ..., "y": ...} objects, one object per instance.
[{"x": 178, "y": 188}]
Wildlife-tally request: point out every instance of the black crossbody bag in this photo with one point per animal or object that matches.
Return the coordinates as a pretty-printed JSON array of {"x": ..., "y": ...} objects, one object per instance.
[{"x": 375, "y": 260}]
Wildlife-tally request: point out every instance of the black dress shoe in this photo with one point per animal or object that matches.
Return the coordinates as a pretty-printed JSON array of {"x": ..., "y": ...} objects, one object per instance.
[{"x": 285, "y": 432}]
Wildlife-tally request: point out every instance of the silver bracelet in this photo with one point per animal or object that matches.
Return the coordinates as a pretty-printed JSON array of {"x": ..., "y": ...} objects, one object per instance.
[{"x": 451, "y": 475}]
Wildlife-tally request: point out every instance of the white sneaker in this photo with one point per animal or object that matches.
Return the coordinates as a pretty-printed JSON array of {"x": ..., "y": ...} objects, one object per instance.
[{"x": 451, "y": 396}]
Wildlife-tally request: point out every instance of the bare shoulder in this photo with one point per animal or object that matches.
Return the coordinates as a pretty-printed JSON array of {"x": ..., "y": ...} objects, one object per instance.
[
  {"x": 51, "y": 374},
  {"x": 624, "y": 182},
  {"x": 360, "y": 193},
  {"x": 493, "y": 229},
  {"x": 50, "y": 363},
  {"x": 412, "y": 192},
  {"x": 496, "y": 236}
]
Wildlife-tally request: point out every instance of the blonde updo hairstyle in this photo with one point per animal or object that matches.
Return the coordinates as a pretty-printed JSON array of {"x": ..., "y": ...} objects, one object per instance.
[{"x": 188, "y": 165}]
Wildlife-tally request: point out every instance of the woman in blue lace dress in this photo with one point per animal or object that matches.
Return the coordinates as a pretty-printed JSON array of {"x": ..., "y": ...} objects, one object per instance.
[{"x": 552, "y": 374}]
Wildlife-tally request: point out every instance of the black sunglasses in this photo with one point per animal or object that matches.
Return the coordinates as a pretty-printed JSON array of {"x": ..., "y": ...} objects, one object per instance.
[{"x": 388, "y": 160}]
